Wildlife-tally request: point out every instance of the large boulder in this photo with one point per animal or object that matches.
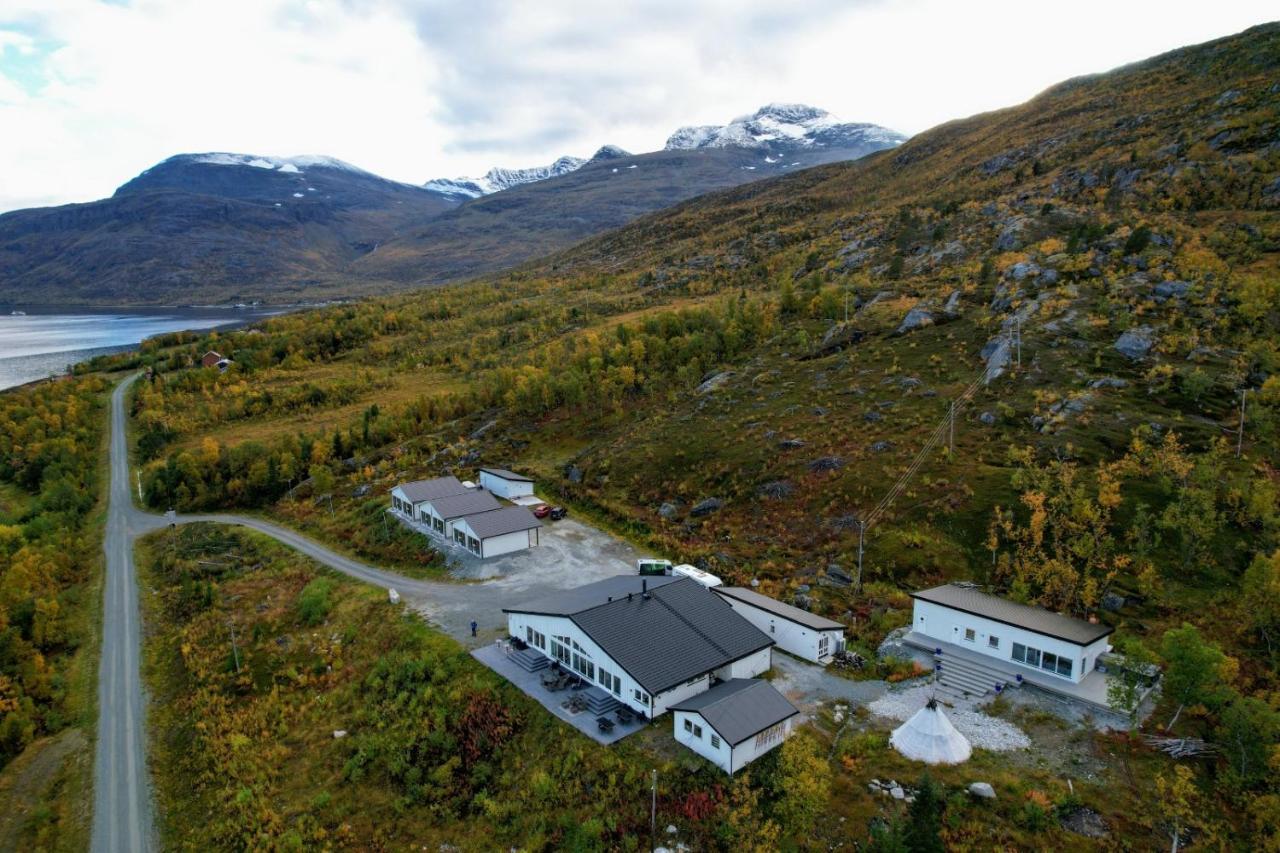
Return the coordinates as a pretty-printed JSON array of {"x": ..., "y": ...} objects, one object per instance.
[
  {"x": 706, "y": 506},
  {"x": 982, "y": 790},
  {"x": 917, "y": 318},
  {"x": 714, "y": 381},
  {"x": 1136, "y": 343},
  {"x": 1171, "y": 289}
]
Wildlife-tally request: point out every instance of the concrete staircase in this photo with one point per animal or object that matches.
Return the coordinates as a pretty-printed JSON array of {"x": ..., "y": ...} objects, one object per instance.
[
  {"x": 963, "y": 678},
  {"x": 599, "y": 703},
  {"x": 530, "y": 660}
]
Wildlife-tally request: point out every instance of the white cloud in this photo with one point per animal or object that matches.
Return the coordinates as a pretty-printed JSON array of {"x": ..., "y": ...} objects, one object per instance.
[{"x": 91, "y": 93}]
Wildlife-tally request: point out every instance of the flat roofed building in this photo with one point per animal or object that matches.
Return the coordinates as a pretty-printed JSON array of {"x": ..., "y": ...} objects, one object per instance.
[
  {"x": 799, "y": 632},
  {"x": 964, "y": 616},
  {"x": 506, "y": 484},
  {"x": 649, "y": 642},
  {"x": 735, "y": 722}
]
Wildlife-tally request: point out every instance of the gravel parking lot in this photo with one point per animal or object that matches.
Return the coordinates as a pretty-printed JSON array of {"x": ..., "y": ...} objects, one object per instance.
[{"x": 570, "y": 553}]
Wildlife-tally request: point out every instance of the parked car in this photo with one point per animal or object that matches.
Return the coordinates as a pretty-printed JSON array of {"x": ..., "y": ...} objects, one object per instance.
[
  {"x": 541, "y": 511},
  {"x": 558, "y": 512}
]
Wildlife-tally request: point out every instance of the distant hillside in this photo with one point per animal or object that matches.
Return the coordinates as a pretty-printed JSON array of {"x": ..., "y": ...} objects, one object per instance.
[{"x": 206, "y": 228}]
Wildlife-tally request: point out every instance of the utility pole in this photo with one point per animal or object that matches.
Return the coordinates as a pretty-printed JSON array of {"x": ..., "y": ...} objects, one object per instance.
[
  {"x": 235, "y": 653},
  {"x": 653, "y": 813},
  {"x": 1018, "y": 327},
  {"x": 862, "y": 530},
  {"x": 952, "y": 441},
  {"x": 1240, "y": 432},
  {"x": 330, "y": 497},
  {"x": 846, "y": 306}
]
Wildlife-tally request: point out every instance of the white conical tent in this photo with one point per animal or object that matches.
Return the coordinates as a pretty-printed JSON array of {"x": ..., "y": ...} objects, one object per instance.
[{"x": 929, "y": 737}]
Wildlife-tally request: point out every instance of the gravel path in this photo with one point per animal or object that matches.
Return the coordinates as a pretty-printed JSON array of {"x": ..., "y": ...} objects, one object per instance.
[{"x": 983, "y": 731}]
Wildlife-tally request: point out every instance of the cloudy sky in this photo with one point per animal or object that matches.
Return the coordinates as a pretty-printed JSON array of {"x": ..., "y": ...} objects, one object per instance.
[{"x": 91, "y": 93}]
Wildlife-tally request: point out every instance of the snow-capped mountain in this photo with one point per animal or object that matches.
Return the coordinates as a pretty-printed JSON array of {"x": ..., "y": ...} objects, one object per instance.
[
  {"x": 498, "y": 178},
  {"x": 785, "y": 127},
  {"x": 777, "y": 131}
]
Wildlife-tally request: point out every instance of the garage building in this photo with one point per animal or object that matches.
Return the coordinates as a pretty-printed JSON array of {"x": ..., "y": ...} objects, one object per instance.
[
  {"x": 440, "y": 513},
  {"x": 497, "y": 532},
  {"x": 408, "y": 498}
]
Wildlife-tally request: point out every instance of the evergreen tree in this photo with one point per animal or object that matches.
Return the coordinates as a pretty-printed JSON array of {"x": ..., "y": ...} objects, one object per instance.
[
  {"x": 887, "y": 838},
  {"x": 924, "y": 819}
]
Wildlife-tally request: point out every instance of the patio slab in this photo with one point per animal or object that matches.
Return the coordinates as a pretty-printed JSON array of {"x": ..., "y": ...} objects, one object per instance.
[{"x": 495, "y": 657}]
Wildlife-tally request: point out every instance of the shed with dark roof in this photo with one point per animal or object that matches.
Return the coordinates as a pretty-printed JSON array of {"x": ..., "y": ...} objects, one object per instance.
[{"x": 734, "y": 722}]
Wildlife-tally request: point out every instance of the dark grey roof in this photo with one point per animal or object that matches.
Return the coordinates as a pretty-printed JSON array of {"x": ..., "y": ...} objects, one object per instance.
[
  {"x": 507, "y": 475},
  {"x": 740, "y": 708},
  {"x": 428, "y": 490},
  {"x": 783, "y": 611},
  {"x": 469, "y": 502},
  {"x": 1035, "y": 619},
  {"x": 679, "y": 632},
  {"x": 570, "y": 601},
  {"x": 509, "y": 519}
]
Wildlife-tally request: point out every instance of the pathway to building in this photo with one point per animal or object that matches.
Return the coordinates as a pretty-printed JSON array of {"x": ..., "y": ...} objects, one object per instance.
[{"x": 122, "y": 809}]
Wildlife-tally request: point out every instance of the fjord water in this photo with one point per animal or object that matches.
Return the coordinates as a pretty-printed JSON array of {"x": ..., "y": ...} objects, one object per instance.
[{"x": 44, "y": 341}]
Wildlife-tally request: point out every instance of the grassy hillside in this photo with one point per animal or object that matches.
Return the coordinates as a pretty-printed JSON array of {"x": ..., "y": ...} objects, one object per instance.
[{"x": 692, "y": 381}]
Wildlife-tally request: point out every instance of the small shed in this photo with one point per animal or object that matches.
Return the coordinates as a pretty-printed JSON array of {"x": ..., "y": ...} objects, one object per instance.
[
  {"x": 803, "y": 634},
  {"x": 497, "y": 532},
  {"x": 210, "y": 359},
  {"x": 506, "y": 484},
  {"x": 735, "y": 722}
]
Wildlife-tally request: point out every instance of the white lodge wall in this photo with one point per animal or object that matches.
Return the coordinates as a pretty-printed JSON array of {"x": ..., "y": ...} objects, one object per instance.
[
  {"x": 550, "y": 626},
  {"x": 748, "y": 667},
  {"x": 948, "y": 625}
]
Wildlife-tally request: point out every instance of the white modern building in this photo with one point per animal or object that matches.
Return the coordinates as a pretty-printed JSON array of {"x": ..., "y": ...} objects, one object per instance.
[
  {"x": 799, "y": 632},
  {"x": 649, "y": 642},
  {"x": 506, "y": 484},
  {"x": 408, "y": 498},
  {"x": 497, "y": 532},
  {"x": 1051, "y": 644},
  {"x": 734, "y": 723}
]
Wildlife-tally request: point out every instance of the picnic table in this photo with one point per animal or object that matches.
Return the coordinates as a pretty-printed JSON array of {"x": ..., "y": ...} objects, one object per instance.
[{"x": 605, "y": 724}]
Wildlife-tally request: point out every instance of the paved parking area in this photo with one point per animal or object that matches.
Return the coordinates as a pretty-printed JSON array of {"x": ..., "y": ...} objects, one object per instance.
[{"x": 492, "y": 656}]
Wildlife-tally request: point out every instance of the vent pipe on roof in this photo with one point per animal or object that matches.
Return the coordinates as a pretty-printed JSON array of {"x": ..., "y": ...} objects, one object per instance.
[{"x": 644, "y": 587}]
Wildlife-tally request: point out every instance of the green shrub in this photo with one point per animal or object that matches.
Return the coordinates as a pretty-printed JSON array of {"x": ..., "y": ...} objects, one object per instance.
[{"x": 313, "y": 601}]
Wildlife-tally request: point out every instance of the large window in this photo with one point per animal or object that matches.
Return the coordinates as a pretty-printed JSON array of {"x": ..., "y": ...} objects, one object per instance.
[
  {"x": 1047, "y": 661},
  {"x": 611, "y": 682},
  {"x": 535, "y": 638},
  {"x": 993, "y": 641},
  {"x": 559, "y": 650}
]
